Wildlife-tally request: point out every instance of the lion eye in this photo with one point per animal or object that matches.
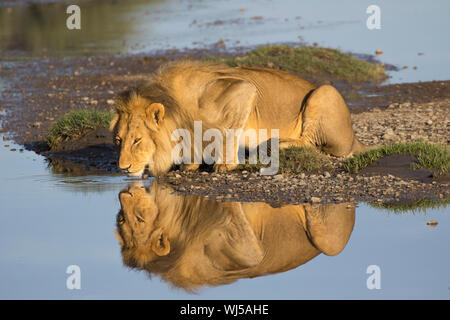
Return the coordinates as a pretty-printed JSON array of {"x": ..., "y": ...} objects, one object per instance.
[
  {"x": 136, "y": 141},
  {"x": 118, "y": 141}
]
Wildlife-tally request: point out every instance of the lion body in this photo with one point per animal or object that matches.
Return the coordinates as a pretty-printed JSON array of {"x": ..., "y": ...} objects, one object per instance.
[
  {"x": 238, "y": 98},
  {"x": 214, "y": 243}
]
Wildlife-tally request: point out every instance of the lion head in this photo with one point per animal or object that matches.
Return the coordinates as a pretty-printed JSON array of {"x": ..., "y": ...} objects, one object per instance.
[
  {"x": 138, "y": 232},
  {"x": 142, "y": 127}
]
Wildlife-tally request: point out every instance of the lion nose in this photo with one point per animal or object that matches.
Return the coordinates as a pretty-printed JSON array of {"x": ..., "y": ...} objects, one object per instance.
[{"x": 125, "y": 168}]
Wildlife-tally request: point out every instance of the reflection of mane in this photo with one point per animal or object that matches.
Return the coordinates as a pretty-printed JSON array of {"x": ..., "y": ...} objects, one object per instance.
[{"x": 214, "y": 243}]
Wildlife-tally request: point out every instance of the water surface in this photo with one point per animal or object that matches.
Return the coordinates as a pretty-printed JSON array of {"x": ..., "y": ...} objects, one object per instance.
[
  {"x": 51, "y": 221},
  {"x": 413, "y": 33}
]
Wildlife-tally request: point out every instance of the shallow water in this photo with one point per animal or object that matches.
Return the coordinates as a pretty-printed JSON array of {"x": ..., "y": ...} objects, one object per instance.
[
  {"x": 412, "y": 33},
  {"x": 50, "y": 222}
]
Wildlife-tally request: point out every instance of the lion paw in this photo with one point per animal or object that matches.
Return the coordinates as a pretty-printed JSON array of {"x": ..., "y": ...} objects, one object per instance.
[
  {"x": 224, "y": 167},
  {"x": 189, "y": 167}
]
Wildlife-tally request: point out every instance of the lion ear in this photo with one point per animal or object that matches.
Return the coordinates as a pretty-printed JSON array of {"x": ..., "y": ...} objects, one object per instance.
[
  {"x": 160, "y": 243},
  {"x": 113, "y": 123},
  {"x": 155, "y": 113}
]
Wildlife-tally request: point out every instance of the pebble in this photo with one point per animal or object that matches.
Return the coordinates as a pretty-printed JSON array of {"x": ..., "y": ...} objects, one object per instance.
[
  {"x": 315, "y": 199},
  {"x": 110, "y": 101}
]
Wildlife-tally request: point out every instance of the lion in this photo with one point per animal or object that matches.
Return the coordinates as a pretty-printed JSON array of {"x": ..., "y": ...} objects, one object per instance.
[
  {"x": 227, "y": 98},
  {"x": 192, "y": 242}
]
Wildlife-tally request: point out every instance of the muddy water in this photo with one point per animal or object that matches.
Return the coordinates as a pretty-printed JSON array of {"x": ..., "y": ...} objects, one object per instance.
[
  {"x": 412, "y": 34},
  {"x": 50, "y": 221}
]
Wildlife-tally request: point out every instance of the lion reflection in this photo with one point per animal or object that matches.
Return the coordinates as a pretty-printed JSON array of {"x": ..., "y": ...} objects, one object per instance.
[{"x": 191, "y": 242}]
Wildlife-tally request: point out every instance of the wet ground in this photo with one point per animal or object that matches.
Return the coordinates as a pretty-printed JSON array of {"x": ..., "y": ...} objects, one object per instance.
[{"x": 62, "y": 209}]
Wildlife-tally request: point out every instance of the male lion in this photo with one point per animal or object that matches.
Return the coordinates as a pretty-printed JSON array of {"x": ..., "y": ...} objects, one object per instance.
[
  {"x": 190, "y": 241},
  {"x": 227, "y": 98}
]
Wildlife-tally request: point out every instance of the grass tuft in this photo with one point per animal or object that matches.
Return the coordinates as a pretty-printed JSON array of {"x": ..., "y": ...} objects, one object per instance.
[
  {"x": 418, "y": 205},
  {"x": 312, "y": 61},
  {"x": 429, "y": 156},
  {"x": 75, "y": 124},
  {"x": 295, "y": 160}
]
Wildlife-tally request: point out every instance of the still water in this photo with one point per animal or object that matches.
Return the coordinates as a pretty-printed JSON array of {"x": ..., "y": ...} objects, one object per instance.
[
  {"x": 50, "y": 222},
  {"x": 413, "y": 33}
]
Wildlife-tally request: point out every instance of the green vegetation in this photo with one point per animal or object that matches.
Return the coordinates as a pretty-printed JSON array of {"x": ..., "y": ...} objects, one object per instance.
[
  {"x": 429, "y": 156},
  {"x": 414, "y": 206},
  {"x": 76, "y": 123},
  {"x": 310, "y": 61},
  {"x": 295, "y": 160}
]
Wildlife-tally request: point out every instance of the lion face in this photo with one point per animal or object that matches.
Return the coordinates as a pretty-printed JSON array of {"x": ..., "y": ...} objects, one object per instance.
[
  {"x": 137, "y": 147},
  {"x": 137, "y": 128},
  {"x": 137, "y": 228}
]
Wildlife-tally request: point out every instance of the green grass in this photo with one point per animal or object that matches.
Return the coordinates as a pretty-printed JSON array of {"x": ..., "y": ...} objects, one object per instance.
[
  {"x": 429, "y": 156},
  {"x": 75, "y": 124},
  {"x": 414, "y": 206},
  {"x": 312, "y": 61},
  {"x": 295, "y": 160}
]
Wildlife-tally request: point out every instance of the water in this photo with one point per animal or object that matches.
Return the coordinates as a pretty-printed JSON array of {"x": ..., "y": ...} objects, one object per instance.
[
  {"x": 50, "y": 222},
  {"x": 412, "y": 33}
]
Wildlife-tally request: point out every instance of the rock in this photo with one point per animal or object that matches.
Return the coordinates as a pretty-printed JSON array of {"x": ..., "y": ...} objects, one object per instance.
[
  {"x": 429, "y": 122},
  {"x": 315, "y": 199},
  {"x": 432, "y": 223},
  {"x": 278, "y": 177},
  {"x": 379, "y": 52},
  {"x": 326, "y": 174},
  {"x": 110, "y": 101},
  {"x": 177, "y": 176},
  {"x": 205, "y": 173},
  {"x": 5, "y": 138},
  {"x": 37, "y": 124}
]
